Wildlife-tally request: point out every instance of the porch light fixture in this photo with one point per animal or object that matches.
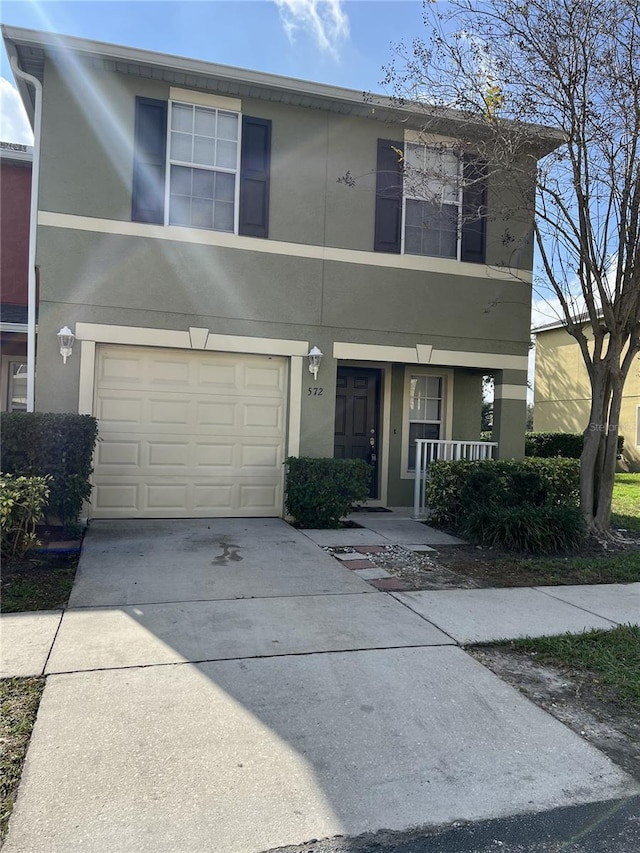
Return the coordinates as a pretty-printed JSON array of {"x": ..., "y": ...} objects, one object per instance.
[
  {"x": 315, "y": 357},
  {"x": 66, "y": 338}
]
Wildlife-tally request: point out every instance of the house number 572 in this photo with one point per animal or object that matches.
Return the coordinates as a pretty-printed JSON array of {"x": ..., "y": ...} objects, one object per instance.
[{"x": 314, "y": 392}]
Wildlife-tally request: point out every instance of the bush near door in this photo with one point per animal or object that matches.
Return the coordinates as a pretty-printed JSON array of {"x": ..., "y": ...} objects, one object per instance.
[
  {"x": 524, "y": 505},
  {"x": 319, "y": 492}
]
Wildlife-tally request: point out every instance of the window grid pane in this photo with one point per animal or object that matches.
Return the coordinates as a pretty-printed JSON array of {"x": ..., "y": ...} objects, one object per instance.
[
  {"x": 425, "y": 411},
  {"x": 432, "y": 202},
  {"x": 202, "y": 194}
]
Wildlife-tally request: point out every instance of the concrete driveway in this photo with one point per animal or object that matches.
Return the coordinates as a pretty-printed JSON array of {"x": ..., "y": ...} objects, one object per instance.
[{"x": 225, "y": 685}]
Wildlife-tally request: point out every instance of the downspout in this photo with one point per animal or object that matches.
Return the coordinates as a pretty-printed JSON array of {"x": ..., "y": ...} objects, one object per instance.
[{"x": 33, "y": 224}]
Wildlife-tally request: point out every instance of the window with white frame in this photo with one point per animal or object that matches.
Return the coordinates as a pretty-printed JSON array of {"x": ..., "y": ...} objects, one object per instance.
[
  {"x": 425, "y": 411},
  {"x": 432, "y": 200},
  {"x": 204, "y": 157},
  {"x": 638, "y": 426},
  {"x": 17, "y": 386}
]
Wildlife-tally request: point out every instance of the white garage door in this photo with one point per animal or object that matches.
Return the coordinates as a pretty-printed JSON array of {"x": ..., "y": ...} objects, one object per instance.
[{"x": 186, "y": 434}]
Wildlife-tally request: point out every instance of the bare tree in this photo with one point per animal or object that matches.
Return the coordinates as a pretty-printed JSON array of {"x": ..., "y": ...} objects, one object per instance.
[{"x": 513, "y": 69}]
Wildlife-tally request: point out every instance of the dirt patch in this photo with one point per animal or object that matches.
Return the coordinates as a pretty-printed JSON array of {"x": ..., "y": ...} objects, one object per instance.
[{"x": 574, "y": 698}]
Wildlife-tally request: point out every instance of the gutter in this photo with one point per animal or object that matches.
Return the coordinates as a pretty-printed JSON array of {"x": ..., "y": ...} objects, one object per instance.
[{"x": 33, "y": 224}]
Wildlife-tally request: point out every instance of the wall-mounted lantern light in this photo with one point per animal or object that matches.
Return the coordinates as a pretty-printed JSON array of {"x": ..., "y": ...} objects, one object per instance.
[
  {"x": 66, "y": 338},
  {"x": 315, "y": 357}
]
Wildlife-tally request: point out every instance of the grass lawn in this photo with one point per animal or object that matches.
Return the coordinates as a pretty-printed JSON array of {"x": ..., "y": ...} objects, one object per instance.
[
  {"x": 19, "y": 700},
  {"x": 41, "y": 582},
  {"x": 533, "y": 571},
  {"x": 626, "y": 502},
  {"x": 610, "y": 660}
]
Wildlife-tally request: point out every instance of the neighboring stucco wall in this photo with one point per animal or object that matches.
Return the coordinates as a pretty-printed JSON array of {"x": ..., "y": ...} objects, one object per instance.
[{"x": 563, "y": 393}]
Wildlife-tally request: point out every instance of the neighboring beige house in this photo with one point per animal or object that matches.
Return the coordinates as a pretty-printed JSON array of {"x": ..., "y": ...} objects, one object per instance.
[
  {"x": 194, "y": 235},
  {"x": 562, "y": 392}
]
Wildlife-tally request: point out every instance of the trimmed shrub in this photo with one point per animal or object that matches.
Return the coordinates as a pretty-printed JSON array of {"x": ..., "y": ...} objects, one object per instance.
[
  {"x": 22, "y": 505},
  {"x": 39, "y": 444},
  {"x": 527, "y": 528},
  {"x": 455, "y": 489},
  {"x": 568, "y": 445},
  {"x": 319, "y": 492}
]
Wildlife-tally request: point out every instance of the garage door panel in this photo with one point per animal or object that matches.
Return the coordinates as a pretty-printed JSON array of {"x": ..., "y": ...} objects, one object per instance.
[
  {"x": 188, "y": 434},
  {"x": 119, "y": 409},
  {"x": 122, "y": 454},
  {"x": 168, "y": 410},
  {"x": 162, "y": 454}
]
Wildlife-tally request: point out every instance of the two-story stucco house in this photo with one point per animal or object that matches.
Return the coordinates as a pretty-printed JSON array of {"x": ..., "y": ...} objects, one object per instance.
[{"x": 194, "y": 234}]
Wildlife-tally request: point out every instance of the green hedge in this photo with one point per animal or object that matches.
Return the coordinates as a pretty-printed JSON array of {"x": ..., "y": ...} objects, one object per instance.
[
  {"x": 456, "y": 488},
  {"x": 37, "y": 444},
  {"x": 567, "y": 445},
  {"x": 319, "y": 492}
]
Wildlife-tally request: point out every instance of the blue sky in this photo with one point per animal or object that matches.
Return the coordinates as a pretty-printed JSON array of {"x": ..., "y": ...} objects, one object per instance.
[{"x": 341, "y": 42}]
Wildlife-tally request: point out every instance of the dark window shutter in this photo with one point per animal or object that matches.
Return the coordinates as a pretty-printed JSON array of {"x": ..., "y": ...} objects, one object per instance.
[
  {"x": 474, "y": 211},
  {"x": 388, "y": 197},
  {"x": 150, "y": 140},
  {"x": 254, "y": 177}
]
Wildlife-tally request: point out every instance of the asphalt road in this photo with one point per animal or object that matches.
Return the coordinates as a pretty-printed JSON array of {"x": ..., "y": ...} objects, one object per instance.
[{"x": 607, "y": 827}]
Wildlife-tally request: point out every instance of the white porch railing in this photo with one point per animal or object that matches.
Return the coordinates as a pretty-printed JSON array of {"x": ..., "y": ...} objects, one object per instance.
[{"x": 427, "y": 450}]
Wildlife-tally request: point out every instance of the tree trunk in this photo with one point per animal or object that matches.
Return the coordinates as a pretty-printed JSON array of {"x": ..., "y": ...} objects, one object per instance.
[
  {"x": 604, "y": 493},
  {"x": 590, "y": 467}
]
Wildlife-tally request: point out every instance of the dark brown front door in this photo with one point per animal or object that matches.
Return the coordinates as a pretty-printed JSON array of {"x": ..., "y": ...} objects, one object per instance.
[{"x": 356, "y": 430}]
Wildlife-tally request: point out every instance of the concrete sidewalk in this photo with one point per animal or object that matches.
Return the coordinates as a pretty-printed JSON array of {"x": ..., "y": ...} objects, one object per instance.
[{"x": 190, "y": 716}]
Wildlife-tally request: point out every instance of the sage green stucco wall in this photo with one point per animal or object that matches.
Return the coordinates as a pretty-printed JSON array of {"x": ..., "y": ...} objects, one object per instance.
[
  {"x": 467, "y": 405},
  {"x": 88, "y": 276},
  {"x": 87, "y": 162}
]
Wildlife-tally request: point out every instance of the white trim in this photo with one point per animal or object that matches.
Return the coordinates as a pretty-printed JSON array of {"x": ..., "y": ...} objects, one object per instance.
[
  {"x": 447, "y": 413},
  {"x": 205, "y": 99},
  {"x": 637, "y": 426},
  {"x": 86, "y": 384},
  {"x": 295, "y": 405},
  {"x": 19, "y": 328},
  {"x": 174, "y": 339},
  {"x": 198, "y": 337},
  {"x": 428, "y": 138},
  {"x": 136, "y": 335},
  {"x": 462, "y": 358},
  {"x": 510, "y": 392},
  {"x": 224, "y": 239},
  {"x": 259, "y": 346},
  {"x": 426, "y": 354},
  {"x": 374, "y": 352}
]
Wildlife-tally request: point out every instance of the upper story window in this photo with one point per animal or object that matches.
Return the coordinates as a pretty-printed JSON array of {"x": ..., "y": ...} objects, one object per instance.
[
  {"x": 432, "y": 200},
  {"x": 204, "y": 161},
  {"x": 201, "y": 165}
]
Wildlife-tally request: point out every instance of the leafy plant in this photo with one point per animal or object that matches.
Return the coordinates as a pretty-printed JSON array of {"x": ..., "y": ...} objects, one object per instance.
[
  {"x": 22, "y": 505},
  {"x": 526, "y": 528},
  {"x": 56, "y": 445},
  {"x": 319, "y": 492}
]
